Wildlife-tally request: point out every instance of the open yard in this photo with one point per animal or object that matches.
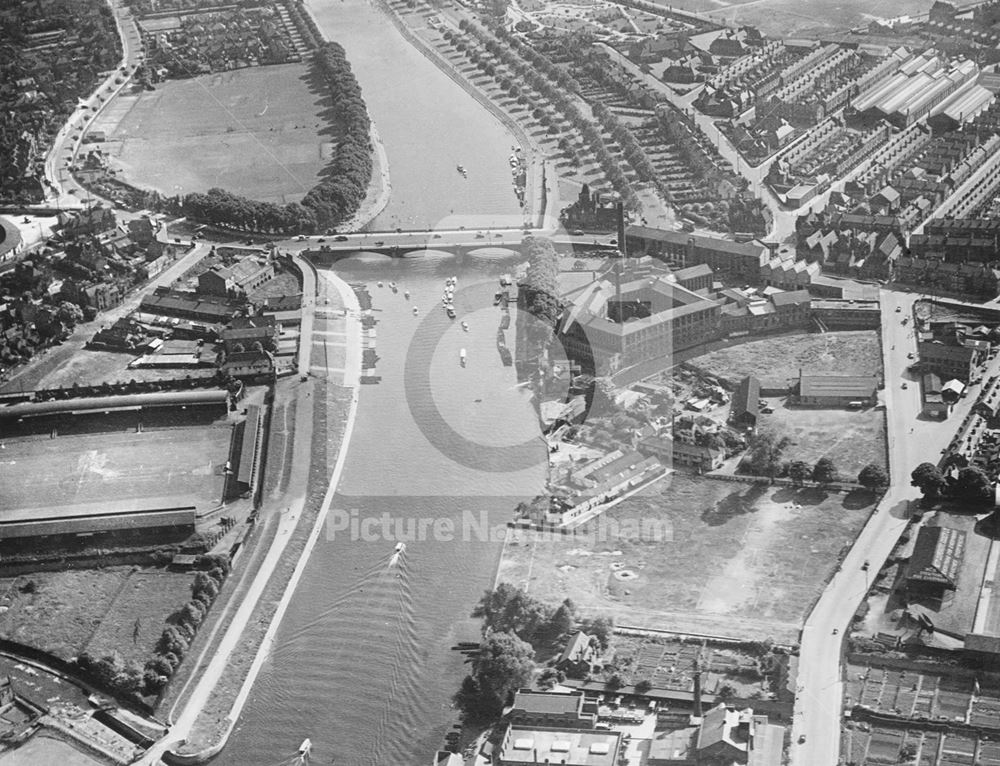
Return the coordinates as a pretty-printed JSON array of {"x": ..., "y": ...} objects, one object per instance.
[
  {"x": 90, "y": 367},
  {"x": 263, "y": 132},
  {"x": 736, "y": 559},
  {"x": 137, "y": 616},
  {"x": 856, "y": 352},
  {"x": 98, "y": 471},
  {"x": 850, "y": 438}
]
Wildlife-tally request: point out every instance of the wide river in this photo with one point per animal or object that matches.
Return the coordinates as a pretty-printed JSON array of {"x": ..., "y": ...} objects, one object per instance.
[
  {"x": 428, "y": 124},
  {"x": 362, "y": 663}
]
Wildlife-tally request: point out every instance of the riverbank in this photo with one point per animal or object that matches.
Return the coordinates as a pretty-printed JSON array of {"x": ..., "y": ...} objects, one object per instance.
[{"x": 379, "y": 188}]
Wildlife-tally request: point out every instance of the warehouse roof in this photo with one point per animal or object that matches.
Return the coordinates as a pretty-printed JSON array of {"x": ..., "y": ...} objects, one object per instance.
[
  {"x": 937, "y": 556},
  {"x": 108, "y": 403},
  {"x": 854, "y": 386}
]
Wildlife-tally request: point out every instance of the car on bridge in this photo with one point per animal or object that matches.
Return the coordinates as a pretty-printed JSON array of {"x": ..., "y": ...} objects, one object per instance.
[{"x": 340, "y": 238}]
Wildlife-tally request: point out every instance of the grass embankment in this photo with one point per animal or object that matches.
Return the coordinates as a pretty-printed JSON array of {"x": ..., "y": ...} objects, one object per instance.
[
  {"x": 735, "y": 559},
  {"x": 331, "y": 404}
]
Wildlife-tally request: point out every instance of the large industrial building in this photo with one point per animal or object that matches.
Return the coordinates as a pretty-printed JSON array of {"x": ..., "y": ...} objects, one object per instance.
[{"x": 610, "y": 324}]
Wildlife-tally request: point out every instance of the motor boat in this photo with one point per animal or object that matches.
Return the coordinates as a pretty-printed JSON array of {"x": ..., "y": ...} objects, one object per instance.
[
  {"x": 450, "y": 311},
  {"x": 406, "y": 294},
  {"x": 306, "y": 747},
  {"x": 400, "y": 547},
  {"x": 461, "y": 169},
  {"x": 465, "y": 326},
  {"x": 415, "y": 310},
  {"x": 461, "y": 357},
  {"x": 379, "y": 284}
]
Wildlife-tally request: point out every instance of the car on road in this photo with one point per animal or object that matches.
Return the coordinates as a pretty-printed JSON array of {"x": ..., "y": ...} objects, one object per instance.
[
  {"x": 498, "y": 235},
  {"x": 864, "y": 567},
  {"x": 612, "y": 241},
  {"x": 321, "y": 240},
  {"x": 437, "y": 236},
  {"x": 577, "y": 232},
  {"x": 300, "y": 238},
  {"x": 904, "y": 385},
  {"x": 340, "y": 238},
  {"x": 898, "y": 309},
  {"x": 379, "y": 243},
  {"x": 836, "y": 631},
  {"x": 479, "y": 235}
]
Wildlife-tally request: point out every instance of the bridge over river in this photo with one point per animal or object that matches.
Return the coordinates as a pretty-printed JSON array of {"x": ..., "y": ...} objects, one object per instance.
[{"x": 458, "y": 241}]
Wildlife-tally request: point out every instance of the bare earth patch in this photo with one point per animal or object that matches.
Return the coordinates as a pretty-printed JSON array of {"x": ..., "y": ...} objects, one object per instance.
[
  {"x": 856, "y": 352},
  {"x": 739, "y": 560}
]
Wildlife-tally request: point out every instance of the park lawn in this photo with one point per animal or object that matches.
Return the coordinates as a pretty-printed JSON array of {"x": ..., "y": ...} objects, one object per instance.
[
  {"x": 261, "y": 132},
  {"x": 138, "y": 615},
  {"x": 64, "y": 609},
  {"x": 739, "y": 560},
  {"x": 855, "y": 352},
  {"x": 850, "y": 438}
]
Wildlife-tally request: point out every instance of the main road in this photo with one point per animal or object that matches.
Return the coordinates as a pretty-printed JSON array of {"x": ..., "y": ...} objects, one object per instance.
[{"x": 911, "y": 440}]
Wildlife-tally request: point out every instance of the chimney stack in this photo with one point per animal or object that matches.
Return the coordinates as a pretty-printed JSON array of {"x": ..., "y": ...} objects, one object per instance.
[
  {"x": 697, "y": 687},
  {"x": 620, "y": 207}
]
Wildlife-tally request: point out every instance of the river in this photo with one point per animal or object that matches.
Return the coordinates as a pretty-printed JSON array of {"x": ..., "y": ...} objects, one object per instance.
[
  {"x": 429, "y": 125},
  {"x": 362, "y": 663}
]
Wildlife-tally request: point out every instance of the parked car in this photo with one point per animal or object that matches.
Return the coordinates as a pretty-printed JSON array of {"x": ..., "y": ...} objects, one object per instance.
[{"x": 340, "y": 238}]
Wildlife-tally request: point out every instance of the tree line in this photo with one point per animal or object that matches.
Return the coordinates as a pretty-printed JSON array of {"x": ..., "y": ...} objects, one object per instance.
[
  {"x": 127, "y": 677},
  {"x": 344, "y": 181}
]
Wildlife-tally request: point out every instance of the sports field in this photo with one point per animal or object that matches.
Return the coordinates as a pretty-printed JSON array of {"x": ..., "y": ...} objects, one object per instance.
[
  {"x": 261, "y": 132},
  {"x": 183, "y": 466}
]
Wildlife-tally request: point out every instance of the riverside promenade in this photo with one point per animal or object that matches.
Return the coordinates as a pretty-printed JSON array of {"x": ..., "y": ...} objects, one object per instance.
[{"x": 336, "y": 298}]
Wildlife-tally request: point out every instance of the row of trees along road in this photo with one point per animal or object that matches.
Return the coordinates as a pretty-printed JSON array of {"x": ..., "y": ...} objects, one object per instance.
[
  {"x": 344, "y": 181},
  {"x": 515, "y": 628}
]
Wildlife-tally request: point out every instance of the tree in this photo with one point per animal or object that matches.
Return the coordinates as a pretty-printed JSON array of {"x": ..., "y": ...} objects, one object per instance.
[
  {"x": 69, "y": 314},
  {"x": 601, "y": 628},
  {"x": 563, "y": 619},
  {"x": 643, "y": 686},
  {"x": 509, "y": 609},
  {"x": 973, "y": 484},
  {"x": 504, "y": 664},
  {"x": 929, "y": 479},
  {"x": 824, "y": 471},
  {"x": 799, "y": 471},
  {"x": 873, "y": 476}
]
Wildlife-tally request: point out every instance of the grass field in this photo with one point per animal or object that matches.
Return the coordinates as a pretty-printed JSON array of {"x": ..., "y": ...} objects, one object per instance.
[
  {"x": 145, "y": 601},
  {"x": 182, "y": 464},
  {"x": 850, "y": 438},
  {"x": 740, "y": 561},
  {"x": 262, "y": 132},
  {"x": 780, "y": 358},
  {"x": 60, "y": 610}
]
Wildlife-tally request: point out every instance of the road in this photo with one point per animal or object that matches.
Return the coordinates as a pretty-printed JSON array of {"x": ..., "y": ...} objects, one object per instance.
[
  {"x": 419, "y": 240},
  {"x": 911, "y": 440},
  {"x": 66, "y": 146}
]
